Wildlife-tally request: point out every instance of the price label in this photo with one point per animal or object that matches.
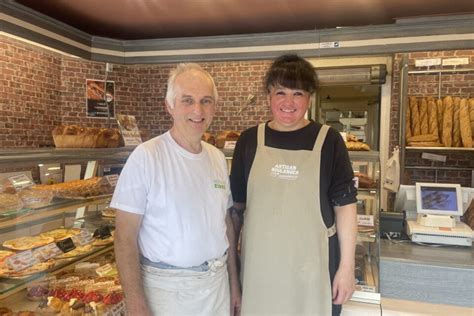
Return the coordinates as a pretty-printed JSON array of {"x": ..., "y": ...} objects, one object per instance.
[
  {"x": 22, "y": 260},
  {"x": 118, "y": 309},
  {"x": 102, "y": 232},
  {"x": 112, "y": 179},
  {"x": 455, "y": 61},
  {"x": 427, "y": 62},
  {"x": 365, "y": 220},
  {"x": 83, "y": 238},
  {"x": 20, "y": 181},
  {"x": 230, "y": 144},
  {"x": 365, "y": 288},
  {"x": 66, "y": 245},
  {"x": 356, "y": 182},
  {"x": 47, "y": 252}
]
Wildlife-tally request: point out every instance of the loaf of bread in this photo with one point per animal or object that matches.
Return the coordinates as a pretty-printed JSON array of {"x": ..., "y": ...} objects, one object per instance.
[
  {"x": 456, "y": 124},
  {"x": 357, "y": 146},
  {"x": 448, "y": 106},
  {"x": 423, "y": 138},
  {"x": 423, "y": 108},
  {"x": 425, "y": 144},
  {"x": 433, "y": 119},
  {"x": 465, "y": 125},
  {"x": 78, "y": 188},
  {"x": 225, "y": 136},
  {"x": 408, "y": 132},
  {"x": 365, "y": 181},
  {"x": 209, "y": 138},
  {"x": 440, "y": 110},
  {"x": 415, "y": 116},
  {"x": 471, "y": 114},
  {"x": 74, "y": 136}
]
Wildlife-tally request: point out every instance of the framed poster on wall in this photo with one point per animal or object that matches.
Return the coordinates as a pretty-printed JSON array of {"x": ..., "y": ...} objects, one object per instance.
[{"x": 100, "y": 101}]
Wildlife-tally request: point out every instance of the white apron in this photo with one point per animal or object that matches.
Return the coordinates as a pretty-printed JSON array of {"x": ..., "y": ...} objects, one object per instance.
[
  {"x": 176, "y": 292},
  {"x": 285, "y": 255}
]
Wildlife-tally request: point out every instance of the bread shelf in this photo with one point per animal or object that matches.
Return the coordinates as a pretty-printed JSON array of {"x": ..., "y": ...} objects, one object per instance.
[{"x": 439, "y": 148}]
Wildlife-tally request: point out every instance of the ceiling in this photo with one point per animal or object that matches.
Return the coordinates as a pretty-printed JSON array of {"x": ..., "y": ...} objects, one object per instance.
[{"x": 148, "y": 19}]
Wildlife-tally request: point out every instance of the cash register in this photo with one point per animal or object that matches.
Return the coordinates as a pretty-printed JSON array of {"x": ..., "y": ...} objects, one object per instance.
[{"x": 433, "y": 212}]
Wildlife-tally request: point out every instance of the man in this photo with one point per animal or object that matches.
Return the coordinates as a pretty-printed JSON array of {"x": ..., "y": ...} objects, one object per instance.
[
  {"x": 171, "y": 223},
  {"x": 293, "y": 179}
]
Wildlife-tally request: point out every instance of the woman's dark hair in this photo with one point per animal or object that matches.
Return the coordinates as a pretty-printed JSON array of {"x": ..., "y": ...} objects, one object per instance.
[{"x": 293, "y": 72}]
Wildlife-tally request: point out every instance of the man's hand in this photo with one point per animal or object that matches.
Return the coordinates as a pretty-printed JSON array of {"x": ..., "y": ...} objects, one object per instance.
[
  {"x": 235, "y": 298},
  {"x": 343, "y": 285}
]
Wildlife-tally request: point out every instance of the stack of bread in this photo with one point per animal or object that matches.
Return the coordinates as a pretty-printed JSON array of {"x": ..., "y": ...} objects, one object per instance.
[
  {"x": 95, "y": 186},
  {"x": 226, "y": 136},
  {"x": 440, "y": 123},
  {"x": 74, "y": 136}
]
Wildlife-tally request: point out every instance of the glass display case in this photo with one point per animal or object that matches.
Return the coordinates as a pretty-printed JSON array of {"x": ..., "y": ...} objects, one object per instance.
[
  {"x": 49, "y": 230},
  {"x": 367, "y": 170}
]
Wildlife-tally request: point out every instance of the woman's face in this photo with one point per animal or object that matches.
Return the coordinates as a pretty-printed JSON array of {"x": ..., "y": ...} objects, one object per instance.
[{"x": 288, "y": 108}]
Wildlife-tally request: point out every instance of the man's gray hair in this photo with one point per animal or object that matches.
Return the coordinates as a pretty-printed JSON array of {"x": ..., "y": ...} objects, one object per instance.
[{"x": 182, "y": 68}]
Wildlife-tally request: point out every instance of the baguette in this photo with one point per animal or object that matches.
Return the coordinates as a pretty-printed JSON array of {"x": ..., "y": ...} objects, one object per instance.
[
  {"x": 440, "y": 110},
  {"x": 415, "y": 117},
  {"x": 471, "y": 114},
  {"x": 433, "y": 119},
  {"x": 447, "y": 139},
  {"x": 425, "y": 144},
  {"x": 423, "y": 109},
  {"x": 408, "y": 132},
  {"x": 423, "y": 138},
  {"x": 456, "y": 124},
  {"x": 465, "y": 126}
]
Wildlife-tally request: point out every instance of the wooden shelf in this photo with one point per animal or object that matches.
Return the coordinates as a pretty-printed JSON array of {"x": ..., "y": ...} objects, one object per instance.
[{"x": 440, "y": 148}]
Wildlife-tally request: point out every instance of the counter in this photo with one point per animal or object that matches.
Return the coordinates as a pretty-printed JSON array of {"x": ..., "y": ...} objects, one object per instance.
[{"x": 427, "y": 273}]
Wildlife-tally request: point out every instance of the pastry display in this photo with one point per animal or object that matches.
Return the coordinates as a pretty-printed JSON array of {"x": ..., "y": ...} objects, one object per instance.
[
  {"x": 78, "y": 251},
  {"x": 75, "y": 136},
  {"x": 35, "y": 198},
  {"x": 7, "y": 272},
  {"x": 352, "y": 143},
  {"x": 95, "y": 186},
  {"x": 27, "y": 242},
  {"x": 225, "y": 136}
]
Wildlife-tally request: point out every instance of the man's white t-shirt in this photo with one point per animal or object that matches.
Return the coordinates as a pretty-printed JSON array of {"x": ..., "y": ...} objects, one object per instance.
[{"x": 183, "y": 198}]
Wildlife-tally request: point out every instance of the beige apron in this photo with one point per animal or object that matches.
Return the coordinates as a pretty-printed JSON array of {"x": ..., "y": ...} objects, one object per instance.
[{"x": 285, "y": 241}]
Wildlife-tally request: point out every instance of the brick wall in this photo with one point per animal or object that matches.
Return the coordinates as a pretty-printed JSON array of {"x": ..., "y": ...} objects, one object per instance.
[
  {"x": 41, "y": 89},
  {"x": 461, "y": 85}
]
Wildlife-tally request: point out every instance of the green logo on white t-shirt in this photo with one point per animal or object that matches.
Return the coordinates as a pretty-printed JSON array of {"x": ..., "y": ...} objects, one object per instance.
[{"x": 219, "y": 185}]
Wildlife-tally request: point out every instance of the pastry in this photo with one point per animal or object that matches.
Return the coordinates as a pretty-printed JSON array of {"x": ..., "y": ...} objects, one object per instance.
[
  {"x": 433, "y": 119},
  {"x": 440, "y": 110},
  {"x": 224, "y": 136},
  {"x": 79, "y": 188},
  {"x": 107, "y": 138},
  {"x": 357, "y": 146},
  {"x": 35, "y": 198},
  {"x": 465, "y": 126},
  {"x": 448, "y": 106},
  {"x": 425, "y": 144},
  {"x": 78, "y": 251},
  {"x": 74, "y": 136},
  {"x": 10, "y": 202},
  {"x": 423, "y": 109},
  {"x": 109, "y": 212},
  {"x": 6, "y": 272},
  {"x": 5, "y": 254},
  {"x": 27, "y": 242},
  {"x": 208, "y": 138},
  {"x": 61, "y": 233},
  {"x": 456, "y": 124},
  {"x": 415, "y": 116}
]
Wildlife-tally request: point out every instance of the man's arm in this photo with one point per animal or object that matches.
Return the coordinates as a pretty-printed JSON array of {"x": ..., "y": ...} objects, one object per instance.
[
  {"x": 346, "y": 224},
  {"x": 237, "y": 216},
  {"x": 235, "y": 292},
  {"x": 127, "y": 226}
]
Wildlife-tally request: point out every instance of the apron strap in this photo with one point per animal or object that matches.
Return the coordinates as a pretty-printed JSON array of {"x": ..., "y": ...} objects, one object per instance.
[
  {"x": 261, "y": 135},
  {"x": 318, "y": 144},
  {"x": 332, "y": 230}
]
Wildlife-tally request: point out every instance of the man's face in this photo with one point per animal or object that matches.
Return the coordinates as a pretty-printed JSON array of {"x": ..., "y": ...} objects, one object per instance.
[
  {"x": 194, "y": 104},
  {"x": 288, "y": 107}
]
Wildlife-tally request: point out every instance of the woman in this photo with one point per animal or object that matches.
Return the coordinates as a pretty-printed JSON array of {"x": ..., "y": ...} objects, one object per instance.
[{"x": 293, "y": 179}]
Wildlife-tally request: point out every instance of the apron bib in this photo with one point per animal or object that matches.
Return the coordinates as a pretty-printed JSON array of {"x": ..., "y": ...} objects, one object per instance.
[{"x": 285, "y": 253}]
